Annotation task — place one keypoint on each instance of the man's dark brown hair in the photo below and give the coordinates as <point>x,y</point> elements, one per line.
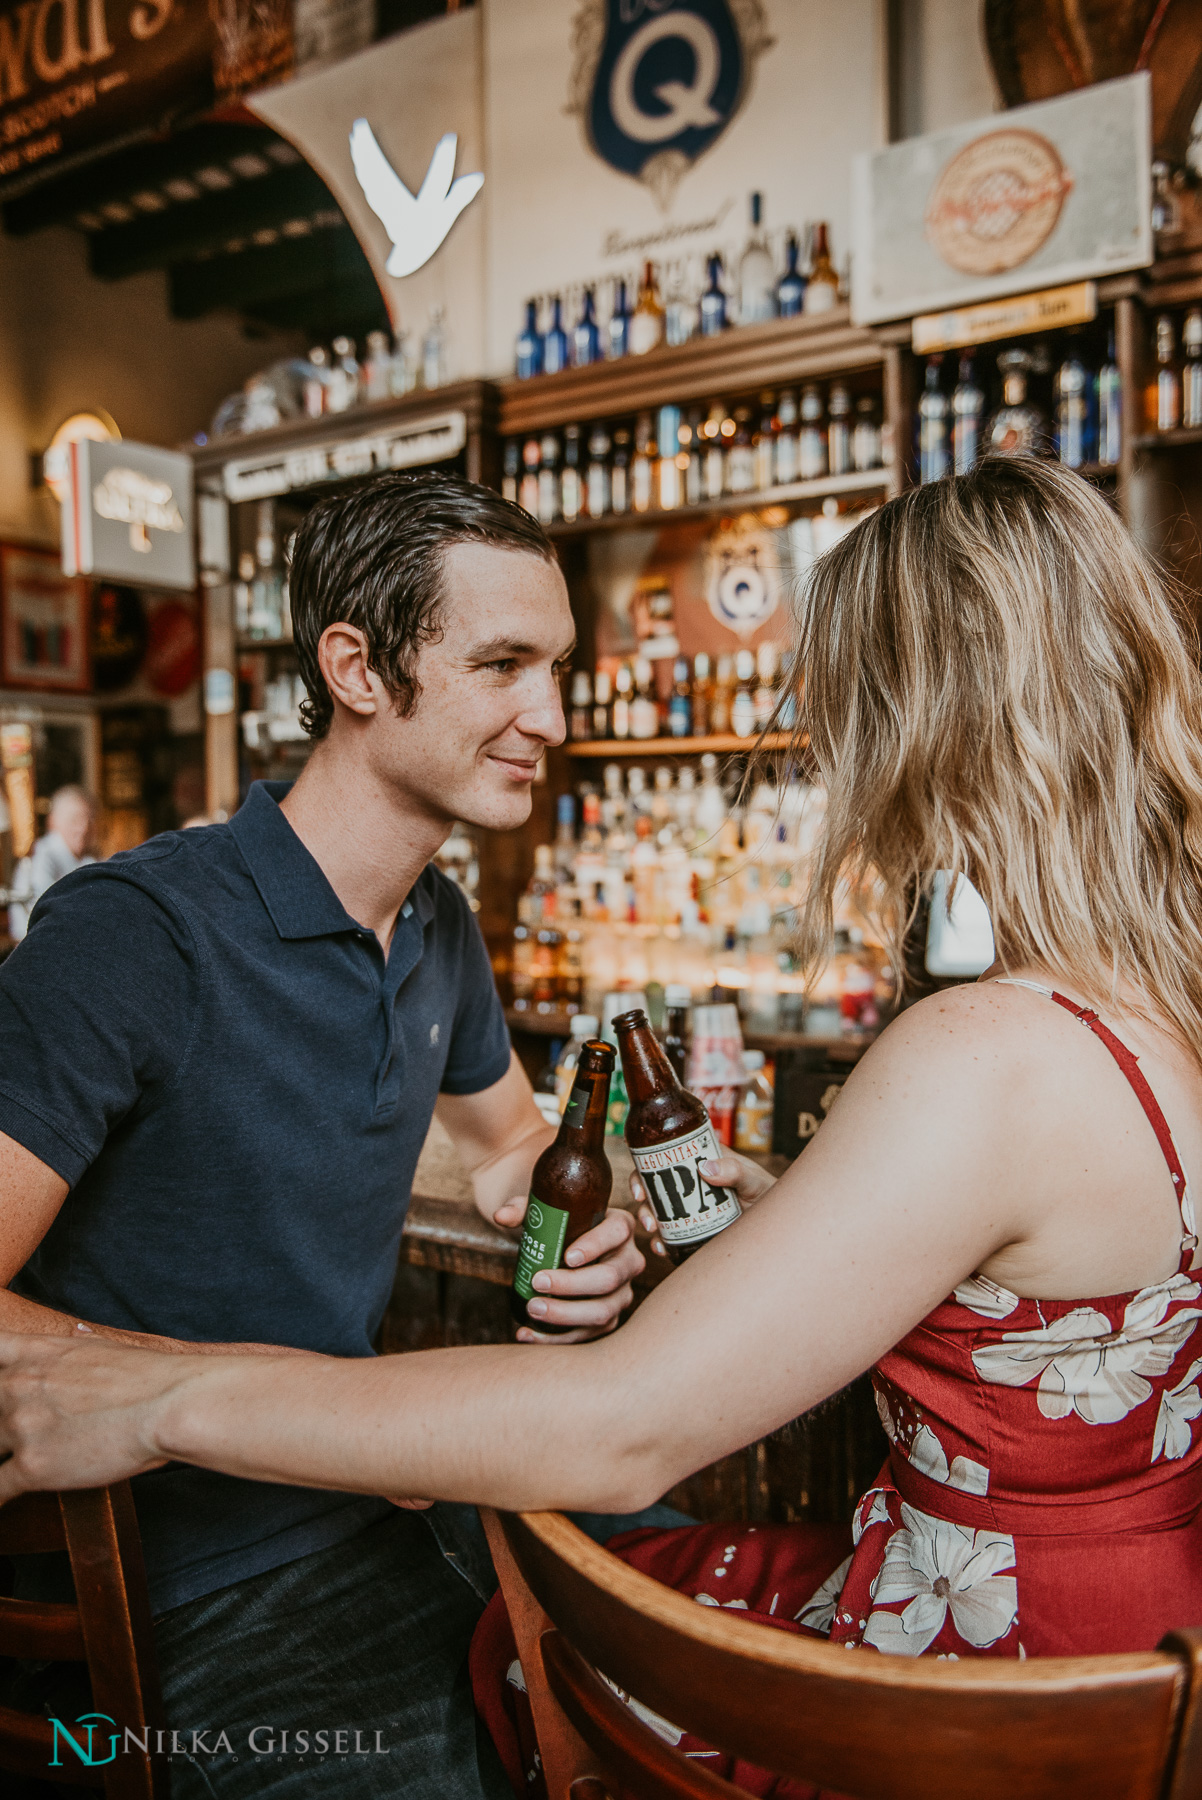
<point>373,558</point>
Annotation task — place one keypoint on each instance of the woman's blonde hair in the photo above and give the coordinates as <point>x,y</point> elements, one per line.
<point>995,681</point>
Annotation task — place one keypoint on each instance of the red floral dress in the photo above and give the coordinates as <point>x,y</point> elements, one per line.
<point>1042,1495</point>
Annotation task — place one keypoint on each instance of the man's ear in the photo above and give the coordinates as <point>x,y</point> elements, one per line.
<point>342,657</point>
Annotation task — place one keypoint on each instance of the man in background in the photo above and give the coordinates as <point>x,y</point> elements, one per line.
<point>62,848</point>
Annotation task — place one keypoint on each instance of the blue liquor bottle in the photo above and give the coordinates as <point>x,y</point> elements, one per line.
<point>619,322</point>
<point>713,301</point>
<point>555,341</point>
<point>791,288</point>
<point>586,339</point>
<point>530,345</point>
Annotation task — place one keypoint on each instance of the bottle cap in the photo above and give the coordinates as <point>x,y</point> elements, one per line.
<point>677,994</point>
<point>584,1025</point>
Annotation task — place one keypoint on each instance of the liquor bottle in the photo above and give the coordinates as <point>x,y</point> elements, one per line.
<point>564,848</point>
<point>691,442</point>
<point>1110,409</point>
<point>317,385</point>
<point>812,446</point>
<point>670,1137</point>
<point>1191,380</point>
<point>740,455</point>
<point>764,443</point>
<point>619,484</point>
<point>644,713</point>
<point>597,472</point>
<point>618,329</point>
<point>548,941</point>
<point>866,435</point>
<point>680,311</point>
<point>1071,410</point>
<point>532,457</point>
<point>377,369</point>
<point>791,288</point>
<point>345,377</point>
<point>720,705</point>
<point>668,469</point>
<point>580,723</point>
<point>1167,411</point>
<point>571,484</point>
<point>434,350</point>
<point>267,604</point>
<point>569,980</point>
<point>642,470</point>
<point>786,449</point>
<point>521,959</point>
<point>742,706</point>
<point>1017,427</point>
<point>757,277</point>
<point>510,466</point>
<point>703,688</point>
<point>713,300</point>
<point>932,426</point>
<point>402,374</point>
<point>602,698</point>
<point>571,1183</point>
<point>647,320</point>
<point>677,1001</point>
<point>838,431</point>
<point>968,406</point>
<point>680,706</point>
<point>586,339</point>
<point>715,454</point>
<point>822,288</point>
<point>528,355</point>
<point>767,668</point>
<point>548,479</point>
<point>555,341</point>
<point>623,688</point>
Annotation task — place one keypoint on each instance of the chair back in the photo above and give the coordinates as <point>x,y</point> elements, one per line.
<point>108,1628</point>
<point>878,1727</point>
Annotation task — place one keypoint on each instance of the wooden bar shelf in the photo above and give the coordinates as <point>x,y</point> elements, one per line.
<point>824,487</point>
<point>1180,439</point>
<point>723,744</point>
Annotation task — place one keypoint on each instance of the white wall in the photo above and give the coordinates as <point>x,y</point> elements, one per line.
<point>946,77</point>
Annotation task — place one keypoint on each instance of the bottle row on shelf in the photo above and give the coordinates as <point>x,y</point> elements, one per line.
<point>671,696</point>
<point>261,609</point>
<point>668,882</point>
<point>1173,398</point>
<point>683,456</point>
<point>689,304</point>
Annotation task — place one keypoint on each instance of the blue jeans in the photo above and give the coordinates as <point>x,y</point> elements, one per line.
<point>344,1674</point>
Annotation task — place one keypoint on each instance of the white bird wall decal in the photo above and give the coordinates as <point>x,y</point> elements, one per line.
<point>415,226</point>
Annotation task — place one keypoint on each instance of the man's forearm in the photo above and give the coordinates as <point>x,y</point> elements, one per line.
<point>27,1316</point>
<point>506,1176</point>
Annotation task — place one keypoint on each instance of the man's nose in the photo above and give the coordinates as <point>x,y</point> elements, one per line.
<point>543,716</point>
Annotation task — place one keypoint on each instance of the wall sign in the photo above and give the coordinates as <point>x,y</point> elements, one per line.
<point>432,439</point>
<point>128,515</point>
<point>743,579</point>
<point>43,623</point>
<point>416,223</point>
<point>1049,310</point>
<point>1056,193</point>
<point>656,82</point>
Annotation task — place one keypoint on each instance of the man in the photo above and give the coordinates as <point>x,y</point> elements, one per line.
<point>62,848</point>
<point>219,1058</point>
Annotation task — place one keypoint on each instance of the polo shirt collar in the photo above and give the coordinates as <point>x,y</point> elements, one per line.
<point>294,890</point>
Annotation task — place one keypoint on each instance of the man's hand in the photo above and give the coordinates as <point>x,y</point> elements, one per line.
<point>749,1181</point>
<point>590,1294</point>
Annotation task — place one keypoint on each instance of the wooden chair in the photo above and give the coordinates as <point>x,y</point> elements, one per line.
<point>108,1628</point>
<point>878,1727</point>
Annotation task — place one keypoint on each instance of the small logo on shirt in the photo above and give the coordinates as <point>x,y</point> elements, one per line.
<point>433,1034</point>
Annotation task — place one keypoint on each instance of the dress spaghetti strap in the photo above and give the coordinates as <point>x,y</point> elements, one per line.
<point>1128,1062</point>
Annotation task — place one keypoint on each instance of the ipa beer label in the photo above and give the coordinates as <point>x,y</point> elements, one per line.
<point>688,1207</point>
<point>541,1246</point>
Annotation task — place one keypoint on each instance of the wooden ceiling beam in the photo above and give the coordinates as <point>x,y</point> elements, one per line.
<point>294,266</point>
<point>202,227</point>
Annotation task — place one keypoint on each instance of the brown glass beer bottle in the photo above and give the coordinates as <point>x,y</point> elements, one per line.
<point>670,1136</point>
<point>571,1183</point>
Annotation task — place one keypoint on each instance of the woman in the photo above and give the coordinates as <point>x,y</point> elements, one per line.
<point>995,684</point>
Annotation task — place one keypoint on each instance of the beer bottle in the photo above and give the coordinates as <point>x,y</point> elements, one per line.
<point>670,1136</point>
<point>571,1183</point>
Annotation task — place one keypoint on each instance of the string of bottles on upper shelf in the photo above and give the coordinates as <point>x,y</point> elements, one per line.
<point>1079,421</point>
<point>695,305</point>
<point>681,456</point>
<point>737,694</point>
<point>1173,397</point>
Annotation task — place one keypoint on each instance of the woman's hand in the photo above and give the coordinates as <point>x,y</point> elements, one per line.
<point>749,1181</point>
<point>590,1294</point>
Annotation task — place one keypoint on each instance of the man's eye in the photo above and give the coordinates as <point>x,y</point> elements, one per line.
<point>504,665</point>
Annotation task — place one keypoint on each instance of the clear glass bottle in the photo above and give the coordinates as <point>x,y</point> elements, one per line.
<point>586,338</point>
<point>1168,380</point>
<point>617,332</point>
<point>933,431</point>
<point>742,706</point>
<point>812,447</point>
<point>597,473</point>
<point>866,435</point>
<point>968,407</point>
<point>767,670</point>
<point>571,482</point>
<point>548,479</point>
<point>838,431</point>
<point>511,463</point>
<point>1017,428</point>
<point>528,351</point>
<point>644,713</point>
<point>680,308</point>
<point>764,443</point>
<point>402,376</point>
<point>669,484</point>
<point>1110,409</point>
<point>602,702</point>
<point>556,350</point>
<point>791,288</point>
<point>623,689</point>
<point>377,369</point>
<point>757,277</point>
<point>822,288</point>
<point>786,449</point>
<point>713,300</point>
<point>345,377</point>
<point>1191,379</point>
<point>434,350</point>
<point>715,454</point>
<point>317,385</point>
<point>647,320</point>
<point>642,470</point>
<point>740,455</point>
<point>619,478</point>
<point>691,443</point>
<point>532,457</point>
<point>580,716</point>
<point>1072,407</point>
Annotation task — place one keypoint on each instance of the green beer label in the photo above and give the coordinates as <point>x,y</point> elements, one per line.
<point>542,1244</point>
<point>577,1106</point>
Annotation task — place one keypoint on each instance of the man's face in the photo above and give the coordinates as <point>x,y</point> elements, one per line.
<point>490,699</point>
<point>71,817</point>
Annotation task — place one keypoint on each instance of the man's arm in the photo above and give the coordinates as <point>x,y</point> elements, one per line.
<point>500,1135</point>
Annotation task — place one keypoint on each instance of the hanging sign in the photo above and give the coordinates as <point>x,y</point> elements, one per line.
<point>128,515</point>
<point>743,577</point>
<point>431,439</point>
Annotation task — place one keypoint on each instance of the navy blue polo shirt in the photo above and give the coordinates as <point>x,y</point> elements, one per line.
<point>236,1087</point>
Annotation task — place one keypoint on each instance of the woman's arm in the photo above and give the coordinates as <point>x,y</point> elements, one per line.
<point>914,1180</point>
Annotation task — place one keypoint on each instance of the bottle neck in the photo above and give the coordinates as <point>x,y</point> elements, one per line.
<point>645,1064</point>
<point>583,1123</point>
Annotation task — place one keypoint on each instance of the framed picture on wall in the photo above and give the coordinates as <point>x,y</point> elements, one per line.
<point>43,623</point>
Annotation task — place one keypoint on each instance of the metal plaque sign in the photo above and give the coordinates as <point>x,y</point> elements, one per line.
<point>128,515</point>
<point>433,438</point>
<point>656,82</point>
<point>1049,310</point>
<point>1043,196</point>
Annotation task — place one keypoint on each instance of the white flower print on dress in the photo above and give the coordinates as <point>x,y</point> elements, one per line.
<point>980,1295</point>
<point>819,1610</point>
<point>1178,1405</point>
<point>877,1514</point>
<point>1087,1368</point>
<point>936,1568</point>
<point>927,1455</point>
